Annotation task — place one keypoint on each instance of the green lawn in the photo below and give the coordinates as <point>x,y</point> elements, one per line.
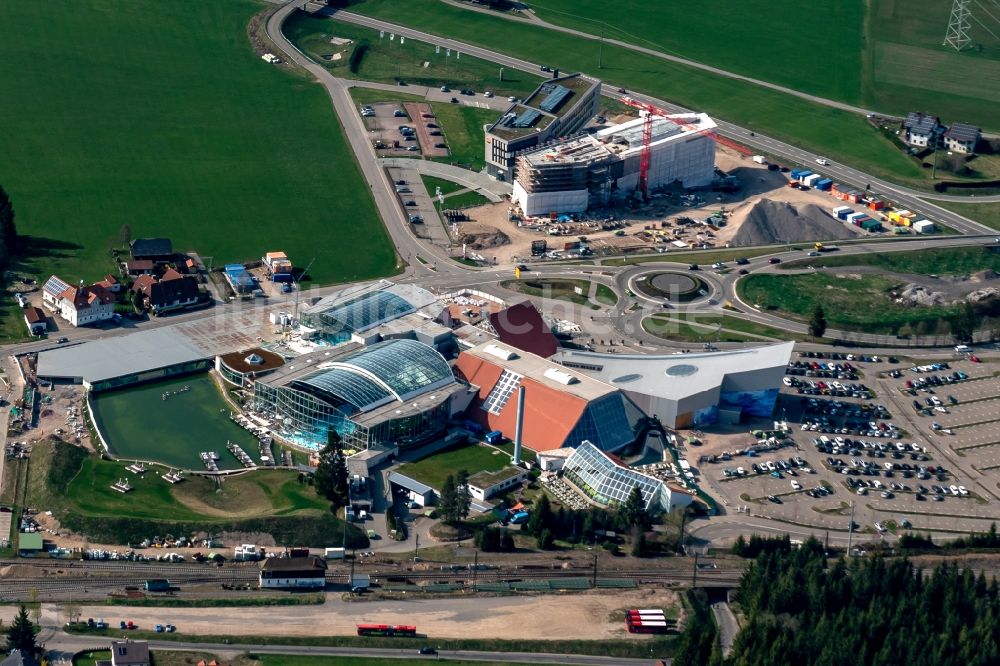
<point>160,116</point>
<point>471,457</point>
<point>837,134</point>
<point>757,38</point>
<point>77,488</point>
<point>556,289</point>
<point>292,660</point>
<point>943,261</point>
<point>388,61</point>
<point>679,327</point>
<point>373,96</point>
<point>862,303</point>
<point>463,200</point>
<point>447,186</point>
<point>463,132</point>
<point>988,213</point>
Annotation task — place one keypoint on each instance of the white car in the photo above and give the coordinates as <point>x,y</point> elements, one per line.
<point>862,490</point>
<point>954,490</point>
<point>796,485</point>
<point>962,491</point>
<point>821,161</point>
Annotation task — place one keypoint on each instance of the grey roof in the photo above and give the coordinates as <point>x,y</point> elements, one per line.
<point>129,652</point>
<point>129,354</point>
<point>963,132</point>
<point>151,247</point>
<point>410,484</point>
<point>674,376</point>
<point>361,307</point>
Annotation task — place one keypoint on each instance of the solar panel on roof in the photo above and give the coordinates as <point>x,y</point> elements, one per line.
<point>527,118</point>
<point>554,98</point>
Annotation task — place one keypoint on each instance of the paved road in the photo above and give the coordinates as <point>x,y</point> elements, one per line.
<point>492,189</point>
<point>914,200</point>
<point>728,627</point>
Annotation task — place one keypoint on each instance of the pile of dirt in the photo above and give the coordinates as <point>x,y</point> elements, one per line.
<point>770,222</point>
<point>918,294</point>
<point>983,276</point>
<point>482,238</point>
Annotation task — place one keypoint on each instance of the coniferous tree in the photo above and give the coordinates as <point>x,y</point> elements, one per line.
<point>21,635</point>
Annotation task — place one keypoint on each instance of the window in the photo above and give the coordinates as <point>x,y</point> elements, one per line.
<point>501,392</point>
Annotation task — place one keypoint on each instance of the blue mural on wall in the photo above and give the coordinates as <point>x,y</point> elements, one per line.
<point>705,416</point>
<point>759,404</point>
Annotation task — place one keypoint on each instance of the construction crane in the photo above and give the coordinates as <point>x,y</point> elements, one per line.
<point>680,119</point>
<point>298,287</point>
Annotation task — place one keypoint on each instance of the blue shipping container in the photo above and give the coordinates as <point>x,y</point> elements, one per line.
<point>824,184</point>
<point>493,437</point>
<point>804,174</point>
<point>797,172</point>
<point>844,213</point>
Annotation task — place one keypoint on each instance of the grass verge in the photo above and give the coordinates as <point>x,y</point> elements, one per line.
<point>555,289</point>
<point>469,457</point>
<point>935,261</point>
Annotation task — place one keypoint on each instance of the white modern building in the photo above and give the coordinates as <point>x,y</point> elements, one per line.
<point>592,170</point>
<point>485,485</point>
<point>689,390</point>
<point>608,482</point>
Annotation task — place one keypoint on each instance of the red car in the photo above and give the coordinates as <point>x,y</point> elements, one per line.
<point>975,359</point>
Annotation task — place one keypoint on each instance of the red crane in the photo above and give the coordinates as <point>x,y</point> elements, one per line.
<point>680,119</point>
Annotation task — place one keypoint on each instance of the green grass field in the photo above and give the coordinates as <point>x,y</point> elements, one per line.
<point>76,487</point>
<point>463,200</point>
<point>388,61</point>
<point>942,261</point>
<point>862,303</point>
<point>561,290</point>
<point>706,329</point>
<point>988,213</point>
<point>471,457</point>
<point>160,116</point>
<point>885,54</point>
<point>447,187</point>
<point>757,43</point>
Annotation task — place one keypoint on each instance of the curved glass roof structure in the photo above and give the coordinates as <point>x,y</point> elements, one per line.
<point>363,312</point>
<point>370,377</point>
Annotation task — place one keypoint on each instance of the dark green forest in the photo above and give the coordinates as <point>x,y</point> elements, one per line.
<point>801,609</point>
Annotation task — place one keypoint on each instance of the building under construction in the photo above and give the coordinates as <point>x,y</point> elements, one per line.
<point>592,170</point>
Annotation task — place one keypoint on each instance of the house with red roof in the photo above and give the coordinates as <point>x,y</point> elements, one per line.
<point>79,304</point>
<point>173,291</point>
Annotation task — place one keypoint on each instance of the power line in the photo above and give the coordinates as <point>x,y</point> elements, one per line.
<point>957,34</point>
<point>984,26</point>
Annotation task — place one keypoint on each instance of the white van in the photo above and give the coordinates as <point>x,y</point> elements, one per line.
<point>962,349</point>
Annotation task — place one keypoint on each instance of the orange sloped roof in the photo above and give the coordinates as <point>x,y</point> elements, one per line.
<point>549,414</point>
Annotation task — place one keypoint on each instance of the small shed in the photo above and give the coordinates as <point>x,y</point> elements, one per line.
<point>36,320</point>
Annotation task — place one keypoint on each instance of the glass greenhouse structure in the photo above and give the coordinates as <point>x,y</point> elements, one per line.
<point>608,482</point>
<point>395,391</point>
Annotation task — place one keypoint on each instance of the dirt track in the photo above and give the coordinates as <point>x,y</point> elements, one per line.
<point>578,616</point>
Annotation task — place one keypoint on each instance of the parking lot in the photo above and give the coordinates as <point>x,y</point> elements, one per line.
<point>419,207</point>
<point>384,122</point>
<point>855,437</point>
<point>430,136</point>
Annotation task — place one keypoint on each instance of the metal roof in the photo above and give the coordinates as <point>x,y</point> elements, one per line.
<point>100,360</point>
<point>675,376</point>
<point>409,483</point>
<point>557,94</point>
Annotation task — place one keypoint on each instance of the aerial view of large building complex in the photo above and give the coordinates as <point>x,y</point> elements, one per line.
<point>348,332</point>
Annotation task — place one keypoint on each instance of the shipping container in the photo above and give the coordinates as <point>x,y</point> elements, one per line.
<point>842,215</point>
<point>824,184</point>
<point>812,179</point>
<point>795,173</point>
<point>871,225</point>
<point>836,209</point>
<point>334,553</point>
<point>803,175</point>
<point>876,204</point>
<point>924,227</point>
<point>493,437</point>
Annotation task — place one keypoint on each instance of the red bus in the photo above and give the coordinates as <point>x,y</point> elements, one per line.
<point>386,630</point>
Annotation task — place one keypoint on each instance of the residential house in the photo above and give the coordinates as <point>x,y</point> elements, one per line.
<point>922,130</point>
<point>171,292</point>
<point>158,250</point>
<point>962,138</point>
<point>137,267</point>
<point>36,320</point>
<point>111,283</point>
<point>129,653</point>
<point>79,305</point>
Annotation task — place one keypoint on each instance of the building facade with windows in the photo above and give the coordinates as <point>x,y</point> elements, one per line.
<point>81,304</point>
<point>557,108</point>
<point>396,392</point>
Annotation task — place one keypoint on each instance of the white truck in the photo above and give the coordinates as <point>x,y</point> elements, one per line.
<point>334,553</point>
<point>760,159</point>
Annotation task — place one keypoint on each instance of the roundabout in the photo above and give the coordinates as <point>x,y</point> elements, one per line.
<point>672,286</point>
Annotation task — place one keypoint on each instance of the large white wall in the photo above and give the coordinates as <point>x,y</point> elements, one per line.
<point>542,203</point>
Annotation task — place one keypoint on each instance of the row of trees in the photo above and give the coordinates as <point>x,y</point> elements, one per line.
<point>9,242</point>
<point>331,478</point>
<point>800,609</point>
